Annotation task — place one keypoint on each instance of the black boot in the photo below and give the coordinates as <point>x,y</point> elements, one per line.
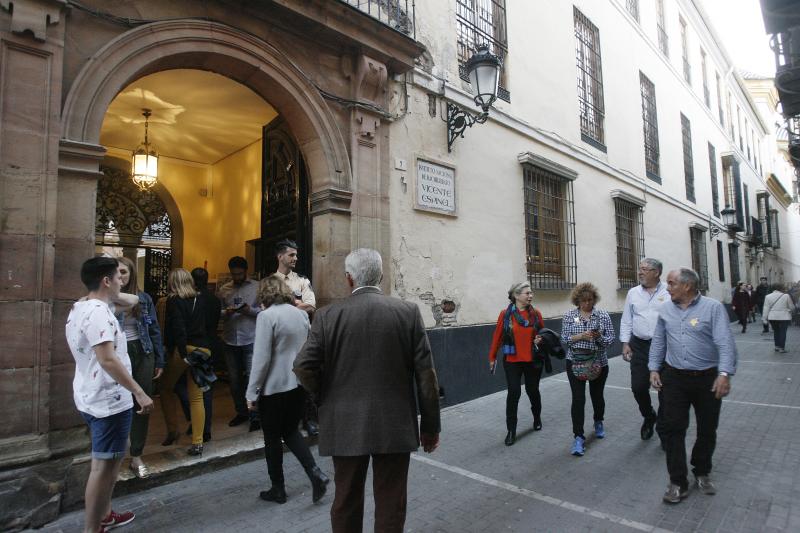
<point>319,483</point>
<point>276,494</point>
<point>511,436</point>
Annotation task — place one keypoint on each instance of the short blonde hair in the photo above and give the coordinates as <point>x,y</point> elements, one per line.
<point>582,289</point>
<point>273,290</point>
<point>180,284</point>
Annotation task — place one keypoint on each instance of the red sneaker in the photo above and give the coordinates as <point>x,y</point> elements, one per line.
<point>114,520</point>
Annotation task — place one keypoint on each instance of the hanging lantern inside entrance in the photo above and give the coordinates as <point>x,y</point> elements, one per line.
<point>144,164</point>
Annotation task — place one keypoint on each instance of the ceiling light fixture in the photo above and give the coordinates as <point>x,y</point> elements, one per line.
<point>144,164</point>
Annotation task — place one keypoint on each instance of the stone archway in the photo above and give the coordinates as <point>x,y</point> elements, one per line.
<point>243,58</point>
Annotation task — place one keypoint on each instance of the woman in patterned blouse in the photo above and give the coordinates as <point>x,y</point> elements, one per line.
<point>587,330</point>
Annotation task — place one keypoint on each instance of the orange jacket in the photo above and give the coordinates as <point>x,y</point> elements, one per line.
<point>523,337</point>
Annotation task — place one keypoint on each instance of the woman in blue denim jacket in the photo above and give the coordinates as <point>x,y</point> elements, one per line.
<point>146,351</point>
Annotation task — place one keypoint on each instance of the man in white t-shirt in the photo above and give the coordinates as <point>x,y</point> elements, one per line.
<point>102,387</point>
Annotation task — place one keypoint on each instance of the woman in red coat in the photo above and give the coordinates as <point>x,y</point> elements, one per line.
<point>517,333</point>
<point>741,304</point>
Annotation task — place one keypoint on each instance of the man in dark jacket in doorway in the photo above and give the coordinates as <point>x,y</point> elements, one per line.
<point>361,361</point>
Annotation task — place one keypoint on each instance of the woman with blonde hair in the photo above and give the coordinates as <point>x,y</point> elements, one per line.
<point>588,331</point>
<point>273,390</point>
<point>187,344</point>
<point>146,351</point>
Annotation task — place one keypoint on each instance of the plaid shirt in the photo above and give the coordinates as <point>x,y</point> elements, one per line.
<point>573,324</point>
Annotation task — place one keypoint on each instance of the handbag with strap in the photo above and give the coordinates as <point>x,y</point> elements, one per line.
<point>585,366</point>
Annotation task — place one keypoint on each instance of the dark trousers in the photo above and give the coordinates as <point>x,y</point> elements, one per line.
<point>579,398</point>
<point>514,374</point>
<point>208,401</point>
<point>280,414</point>
<point>682,391</point>
<point>389,482</point>
<point>239,359</point>
<point>142,369</point>
<point>779,329</point>
<point>640,379</point>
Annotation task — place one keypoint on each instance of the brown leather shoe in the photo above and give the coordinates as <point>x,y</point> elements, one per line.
<point>705,485</point>
<point>675,493</point>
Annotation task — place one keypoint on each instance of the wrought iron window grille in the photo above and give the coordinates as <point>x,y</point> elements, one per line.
<point>590,80</point>
<point>720,261</point>
<point>688,163</point>
<point>549,229</point>
<point>629,219</point>
<point>650,126</point>
<point>712,167</point>
<point>399,15</point>
<point>482,22</point>
<point>699,256</point>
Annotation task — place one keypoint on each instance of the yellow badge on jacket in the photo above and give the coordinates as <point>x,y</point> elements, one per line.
<point>694,322</point>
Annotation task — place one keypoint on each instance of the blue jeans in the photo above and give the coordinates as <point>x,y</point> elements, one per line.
<point>239,360</point>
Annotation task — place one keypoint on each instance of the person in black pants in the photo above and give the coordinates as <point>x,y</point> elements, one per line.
<point>273,389</point>
<point>692,358</point>
<point>635,331</point>
<point>517,331</point>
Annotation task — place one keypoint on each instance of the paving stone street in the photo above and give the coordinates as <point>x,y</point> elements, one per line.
<point>474,483</point>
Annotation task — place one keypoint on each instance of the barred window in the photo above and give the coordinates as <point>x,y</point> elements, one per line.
<point>630,241</point>
<point>590,80</point>
<point>661,26</point>
<point>739,127</point>
<point>719,101</point>
<point>746,195</point>
<point>482,22</point>
<point>730,117</point>
<point>720,261</point>
<point>775,235</point>
<point>732,189</point>
<point>687,68</point>
<point>748,133</point>
<point>549,229</point>
<point>633,8</point>
<point>688,162</point>
<point>712,166</point>
<point>703,65</point>
<point>650,125</point>
<point>699,256</point>
<point>733,257</point>
<point>764,217</point>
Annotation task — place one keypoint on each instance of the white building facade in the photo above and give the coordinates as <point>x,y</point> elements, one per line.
<point>622,131</point>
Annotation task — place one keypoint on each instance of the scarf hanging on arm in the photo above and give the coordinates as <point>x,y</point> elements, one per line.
<point>508,336</point>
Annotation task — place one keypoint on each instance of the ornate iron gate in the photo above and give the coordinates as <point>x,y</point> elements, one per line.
<point>128,217</point>
<point>284,200</point>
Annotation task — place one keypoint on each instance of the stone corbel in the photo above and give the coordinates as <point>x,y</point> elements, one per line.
<point>79,158</point>
<point>368,77</point>
<point>33,16</point>
<point>330,200</point>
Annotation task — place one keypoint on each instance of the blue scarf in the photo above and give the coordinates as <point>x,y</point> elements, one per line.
<point>508,336</point>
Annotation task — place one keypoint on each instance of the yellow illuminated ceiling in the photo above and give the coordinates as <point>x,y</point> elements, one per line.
<point>197,116</point>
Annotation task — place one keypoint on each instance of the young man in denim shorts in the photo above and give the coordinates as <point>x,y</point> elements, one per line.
<point>102,387</point>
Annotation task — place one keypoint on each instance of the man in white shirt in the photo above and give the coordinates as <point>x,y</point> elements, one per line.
<point>636,329</point>
<point>102,387</point>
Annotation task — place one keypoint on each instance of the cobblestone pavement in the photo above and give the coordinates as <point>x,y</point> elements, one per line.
<point>474,483</point>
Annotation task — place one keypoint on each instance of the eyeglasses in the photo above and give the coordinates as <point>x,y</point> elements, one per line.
<point>641,269</point>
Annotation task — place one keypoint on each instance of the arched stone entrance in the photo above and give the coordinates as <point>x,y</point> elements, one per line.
<point>248,60</point>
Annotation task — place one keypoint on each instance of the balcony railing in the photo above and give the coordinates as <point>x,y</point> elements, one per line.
<point>786,46</point>
<point>396,14</point>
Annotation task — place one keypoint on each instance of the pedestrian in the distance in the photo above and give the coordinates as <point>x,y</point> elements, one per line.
<point>273,389</point>
<point>636,331</point>
<point>740,304</point>
<point>146,352</point>
<point>588,331</point>
<point>778,309</point>
<point>369,365</point>
<point>102,387</point>
<point>761,292</point>
<point>692,359</point>
<point>517,337</point>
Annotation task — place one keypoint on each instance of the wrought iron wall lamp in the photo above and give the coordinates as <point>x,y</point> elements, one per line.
<point>484,76</point>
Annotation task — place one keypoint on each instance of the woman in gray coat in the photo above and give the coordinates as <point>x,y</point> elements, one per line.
<point>778,309</point>
<point>281,330</point>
